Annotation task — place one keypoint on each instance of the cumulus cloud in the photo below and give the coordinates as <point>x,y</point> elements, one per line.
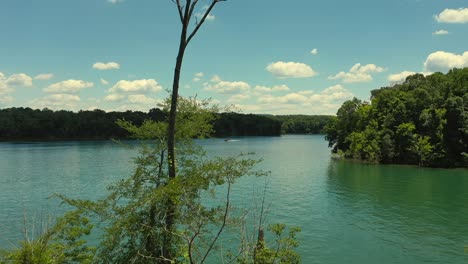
<point>106,66</point>
<point>56,102</point>
<point>444,61</point>
<point>141,99</point>
<point>136,86</point>
<point>10,83</point>
<point>19,80</point>
<point>5,99</point>
<point>104,82</point>
<point>329,94</point>
<point>282,69</point>
<point>198,76</point>
<point>358,73</point>
<point>276,88</point>
<point>44,76</point>
<point>238,98</point>
<point>225,87</point>
<point>453,16</point>
<point>326,101</point>
<point>401,77</point>
<point>4,89</point>
<point>114,97</point>
<point>133,92</point>
<point>314,51</point>
<point>440,32</point>
<point>68,86</point>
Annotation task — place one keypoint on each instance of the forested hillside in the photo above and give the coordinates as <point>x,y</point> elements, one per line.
<point>423,121</point>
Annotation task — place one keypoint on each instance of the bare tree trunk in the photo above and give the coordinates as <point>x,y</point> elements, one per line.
<point>167,254</point>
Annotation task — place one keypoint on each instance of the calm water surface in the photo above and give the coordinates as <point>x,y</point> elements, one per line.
<point>348,212</point>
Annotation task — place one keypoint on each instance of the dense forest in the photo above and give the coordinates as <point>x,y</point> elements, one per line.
<point>303,124</point>
<point>423,121</point>
<point>45,124</point>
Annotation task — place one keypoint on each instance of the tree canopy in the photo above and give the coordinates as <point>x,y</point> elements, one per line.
<point>422,121</point>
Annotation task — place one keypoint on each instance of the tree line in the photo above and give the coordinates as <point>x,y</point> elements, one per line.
<point>422,121</point>
<point>26,123</point>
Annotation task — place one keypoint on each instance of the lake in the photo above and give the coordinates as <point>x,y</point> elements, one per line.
<point>349,212</point>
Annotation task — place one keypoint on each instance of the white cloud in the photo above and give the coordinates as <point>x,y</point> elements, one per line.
<point>198,76</point>
<point>440,32</point>
<point>5,99</point>
<point>104,82</point>
<point>401,77</point>
<point>106,66</point>
<point>276,88</point>
<point>56,102</point>
<point>68,86</point>
<point>44,76</point>
<point>136,86</point>
<point>329,94</point>
<point>358,73</point>
<point>19,80</point>
<point>199,15</point>
<point>288,98</point>
<point>10,83</point>
<point>215,78</point>
<point>224,87</point>
<point>238,98</point>
<point>444,61</point>
<point>114,97</point>
<point>453,16</point>
<point>282,69</point>
<point>4,89</point>
<point>133,91</point>
<point>141,99</point>
<point>326,101</point>
<point>314,51</point>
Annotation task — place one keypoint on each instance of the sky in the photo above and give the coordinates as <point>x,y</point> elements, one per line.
<point>259,56</point>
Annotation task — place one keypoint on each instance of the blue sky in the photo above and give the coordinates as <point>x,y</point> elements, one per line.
<point>276,57</point>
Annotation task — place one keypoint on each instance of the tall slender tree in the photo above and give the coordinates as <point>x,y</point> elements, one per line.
<point>186,10</point>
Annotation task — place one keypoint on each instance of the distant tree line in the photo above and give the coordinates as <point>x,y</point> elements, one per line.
<point>303,124</point>
<point>45,124</point>
<point>423,121</point>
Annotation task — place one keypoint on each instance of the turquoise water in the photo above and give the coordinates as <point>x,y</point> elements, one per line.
<point>348,212</point>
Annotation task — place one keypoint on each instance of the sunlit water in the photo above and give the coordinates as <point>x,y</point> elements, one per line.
<point>348,212</point>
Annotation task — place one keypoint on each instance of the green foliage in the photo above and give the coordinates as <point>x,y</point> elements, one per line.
<point>423,121</point>
<point>133,215</point>
<point>281,251</point>
<point>235,124</point>
<point>62,243</point>
<point>303,124</point>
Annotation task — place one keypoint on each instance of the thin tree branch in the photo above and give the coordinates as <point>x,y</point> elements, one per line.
<point>186,14</point>
<point>179,9</point>
<point>207,12</point>
<point>193,7</point>
<point>225,217</point>
<point>191,245</point>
